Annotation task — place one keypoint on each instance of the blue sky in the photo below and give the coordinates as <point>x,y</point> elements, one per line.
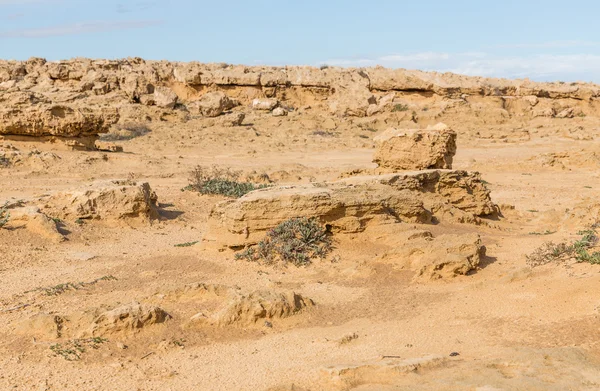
<point>539,39</point>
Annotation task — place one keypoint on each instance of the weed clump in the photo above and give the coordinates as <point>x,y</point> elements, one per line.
<point>579,250</point>
<point>222,181</point>
<point>296,241</point>
<point>72,350</point>
<point>70,286</point>
<point>399,107</point>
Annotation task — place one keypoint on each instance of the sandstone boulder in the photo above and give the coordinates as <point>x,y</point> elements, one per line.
<point>165,97</point>
<point>264,104</point>
<point>279,112</point>
<point>64,120</point>
<point>127,319</point>
<point>352,204</point>
<point>238,308</point>
<point>106,200</point>
<point>213,104</point>
<point>430,148</point>
<point>233,119</point>
<point>32,219</point>
<point>433,258</point>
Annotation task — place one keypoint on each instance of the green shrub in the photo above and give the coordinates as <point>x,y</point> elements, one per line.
<point>399,107</point>
<point>579,250</point>
<point>296,241</point>
<point>221,181</point>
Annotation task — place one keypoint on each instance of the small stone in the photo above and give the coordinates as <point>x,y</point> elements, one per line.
<point>264,104</point>
<point>280,112</point>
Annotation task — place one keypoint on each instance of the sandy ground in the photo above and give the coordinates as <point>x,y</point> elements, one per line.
<point>513,327</point>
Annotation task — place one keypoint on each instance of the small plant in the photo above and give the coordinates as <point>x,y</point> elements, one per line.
<point>581,247</point>
<point>220,181</point>
<point>324,133</point>
<point>187,244</point>
<point>296,241</point>
<point>548,252</point>
<point>68,286</point>
<point>399,107</point>
<point>72,350</point>
<point>323,67</point>
<point>546,232</point>
<point>579,250</point>
<point>4,215</point>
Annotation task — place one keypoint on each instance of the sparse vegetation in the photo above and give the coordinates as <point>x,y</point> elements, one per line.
<point>4,162</point>
<point>4,215</point>
<point>187,244</point>
<point>579,250</point>
<point>72,350</point>
<point>295,241</point>
<point>127,131</point>
<point>324,133</point>
<point>323,67</point>
<point>546,232</point>
<point>222,181</point>
<point>399,107</point>
<point>62,288</point>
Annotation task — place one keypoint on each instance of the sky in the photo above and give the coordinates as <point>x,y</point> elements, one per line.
<point>536,39</point>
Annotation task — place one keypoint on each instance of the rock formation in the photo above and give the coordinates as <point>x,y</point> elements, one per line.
<point>127,319</point>
<point>105,200</point>
<point>236,307</point>
<point>433,147</point>
<point>352,204</point>
<point>81,98</point>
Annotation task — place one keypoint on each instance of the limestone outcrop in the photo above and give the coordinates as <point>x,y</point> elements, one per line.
<point>128,318</point>
<point>353,203</point>
<point>432,257</point>
<point>226,305</point>
<point>83,97</point>
<point>416,149</point>
<point>106,200</point>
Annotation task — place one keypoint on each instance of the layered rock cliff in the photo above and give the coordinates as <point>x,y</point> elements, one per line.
<point>83,98</point>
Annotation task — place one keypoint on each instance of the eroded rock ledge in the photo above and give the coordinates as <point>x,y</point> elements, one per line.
<point>83,98</point>
<point>352,204</point>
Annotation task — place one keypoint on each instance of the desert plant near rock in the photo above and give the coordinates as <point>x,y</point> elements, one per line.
<point>296,241</point>
<point>579,250</point>
<point>72,350</point>
<point>220,181</point>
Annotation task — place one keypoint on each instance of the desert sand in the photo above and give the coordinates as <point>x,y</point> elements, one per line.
<point>435,190</point>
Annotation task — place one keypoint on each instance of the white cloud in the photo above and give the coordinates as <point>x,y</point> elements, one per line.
<point>78,28</point>
<point>537,67</point>
<point>551,45</point>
